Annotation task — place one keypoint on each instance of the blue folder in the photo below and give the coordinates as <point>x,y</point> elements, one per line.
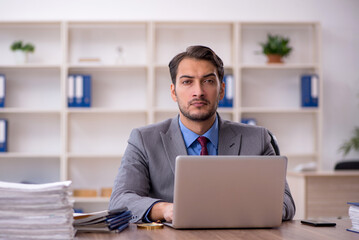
<point>79,90</point>
<point>309,90</point>
<point>249,121</point>
<point>2,90</point>
<point>227,100</point>
<point>3,135</point>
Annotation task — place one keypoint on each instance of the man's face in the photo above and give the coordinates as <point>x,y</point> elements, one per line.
<point>198,89</point>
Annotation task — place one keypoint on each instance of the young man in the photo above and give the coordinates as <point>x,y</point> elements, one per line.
<point>145,181</point>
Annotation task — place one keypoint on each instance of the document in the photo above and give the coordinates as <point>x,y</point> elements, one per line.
<point>36,211</point>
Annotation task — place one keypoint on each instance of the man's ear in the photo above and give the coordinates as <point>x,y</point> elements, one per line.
<point>173,92</point>
<point>222,90</point>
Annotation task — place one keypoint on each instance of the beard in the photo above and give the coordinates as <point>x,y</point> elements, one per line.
<point>198,117</point>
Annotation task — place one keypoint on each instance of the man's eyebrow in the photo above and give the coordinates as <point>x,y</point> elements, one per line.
<point>207,75</point>
<point>186,76</point>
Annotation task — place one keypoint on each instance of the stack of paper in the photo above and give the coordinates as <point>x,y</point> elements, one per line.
<point>103,221</point>
<point>354,216</point>
<point>35,211</point>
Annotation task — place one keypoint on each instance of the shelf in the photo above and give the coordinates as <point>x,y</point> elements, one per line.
<point>294,155</point>
<point>278,110</point>
<point>104,110</point>
<point>31,66</point>
<point>173,38</point>
<point>279,66</point>
<point>102,156</point>
<point>103,41</point>
<point>29,111</point>
<point>131,89</point>
<point>28,155</point>
<point>100,66</point>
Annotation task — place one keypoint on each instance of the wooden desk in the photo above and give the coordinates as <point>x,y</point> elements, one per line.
<point>323,194</point>
<point>288,230</point>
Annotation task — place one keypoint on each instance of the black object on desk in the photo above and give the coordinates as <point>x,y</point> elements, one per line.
<point>318,223</point>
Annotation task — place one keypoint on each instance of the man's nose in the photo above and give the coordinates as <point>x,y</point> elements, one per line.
<point>198,90</point>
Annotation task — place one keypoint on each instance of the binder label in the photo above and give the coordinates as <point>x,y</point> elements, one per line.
<point>2,86</point>
<point>2,131</point>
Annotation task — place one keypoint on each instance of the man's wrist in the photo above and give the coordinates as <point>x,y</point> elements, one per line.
<point>146,217</point>
<point>157,213</point>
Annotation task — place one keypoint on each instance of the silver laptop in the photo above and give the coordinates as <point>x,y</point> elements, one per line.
<point>229,191</point>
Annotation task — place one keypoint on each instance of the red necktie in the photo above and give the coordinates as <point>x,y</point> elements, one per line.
<point>203,142</point>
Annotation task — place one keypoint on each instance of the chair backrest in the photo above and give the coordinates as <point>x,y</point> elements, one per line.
<point>347,165</point>
<point>274,143</point>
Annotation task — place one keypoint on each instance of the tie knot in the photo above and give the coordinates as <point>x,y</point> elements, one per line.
<point>203,141</point>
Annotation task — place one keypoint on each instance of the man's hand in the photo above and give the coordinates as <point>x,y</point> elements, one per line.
<point>162,211</point>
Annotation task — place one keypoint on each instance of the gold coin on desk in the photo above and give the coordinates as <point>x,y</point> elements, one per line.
<point>150,226</point>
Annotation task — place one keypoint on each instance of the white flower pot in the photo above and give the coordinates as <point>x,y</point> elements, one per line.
<point>20,57</point>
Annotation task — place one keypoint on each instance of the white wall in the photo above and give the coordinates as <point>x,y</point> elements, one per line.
<point>340,39</point>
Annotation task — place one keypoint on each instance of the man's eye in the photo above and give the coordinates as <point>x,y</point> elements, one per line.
<point>211,81</point>
<point>186,82</point>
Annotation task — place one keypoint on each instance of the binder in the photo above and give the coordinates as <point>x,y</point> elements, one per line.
<point>2,90</point>
<point>86,98</point>
<point>71,91</point>
<point>249,121</point>
<point>309,90</point>
<point>79,91</point>
<point>3,135</point>
<point>227,100</point>
<point>103,221</point>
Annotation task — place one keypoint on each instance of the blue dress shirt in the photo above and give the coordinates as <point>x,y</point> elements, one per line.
<point>193,146</point>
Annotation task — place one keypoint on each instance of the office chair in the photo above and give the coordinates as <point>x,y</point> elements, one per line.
<point>347,165</point>
<point>274,143</point>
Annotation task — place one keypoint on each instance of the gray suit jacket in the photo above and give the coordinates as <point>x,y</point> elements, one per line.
<point>146,174</point>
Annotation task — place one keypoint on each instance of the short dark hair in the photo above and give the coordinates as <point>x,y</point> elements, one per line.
<point>200,53</point>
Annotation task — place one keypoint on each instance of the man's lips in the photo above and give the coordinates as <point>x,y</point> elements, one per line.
<point>198,103</point>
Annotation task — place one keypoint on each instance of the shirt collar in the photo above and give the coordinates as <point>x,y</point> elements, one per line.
<point>189,137</point>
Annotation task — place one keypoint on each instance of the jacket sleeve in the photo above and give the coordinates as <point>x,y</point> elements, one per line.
<point>132,183</point>
<point>288,202</point>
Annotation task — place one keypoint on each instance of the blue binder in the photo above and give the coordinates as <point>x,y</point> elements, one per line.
<point>249,121</point>
<point>86,98</point>
<point>309,90</point>
<point>79,91</point>
<point>2,90</point>
<point>71,91</point>
<point>227,100</point>
<point>3,135</point>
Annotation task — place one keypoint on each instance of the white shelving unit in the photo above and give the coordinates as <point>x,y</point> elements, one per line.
<point>50,142</point>
<point>270,93</point>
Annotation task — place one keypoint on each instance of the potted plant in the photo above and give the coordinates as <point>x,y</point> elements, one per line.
<point>22,50</point>
<point>352,143</point>
<point>275,48</point>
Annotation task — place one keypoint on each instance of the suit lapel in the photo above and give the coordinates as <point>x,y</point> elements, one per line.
<point>229,141</point>
<point>173,143</point>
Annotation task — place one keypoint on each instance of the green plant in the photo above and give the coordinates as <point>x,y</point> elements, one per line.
<point>27,48</point>
<point>352,143</point>
<point>276,44</point>
<point>16,46</point>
